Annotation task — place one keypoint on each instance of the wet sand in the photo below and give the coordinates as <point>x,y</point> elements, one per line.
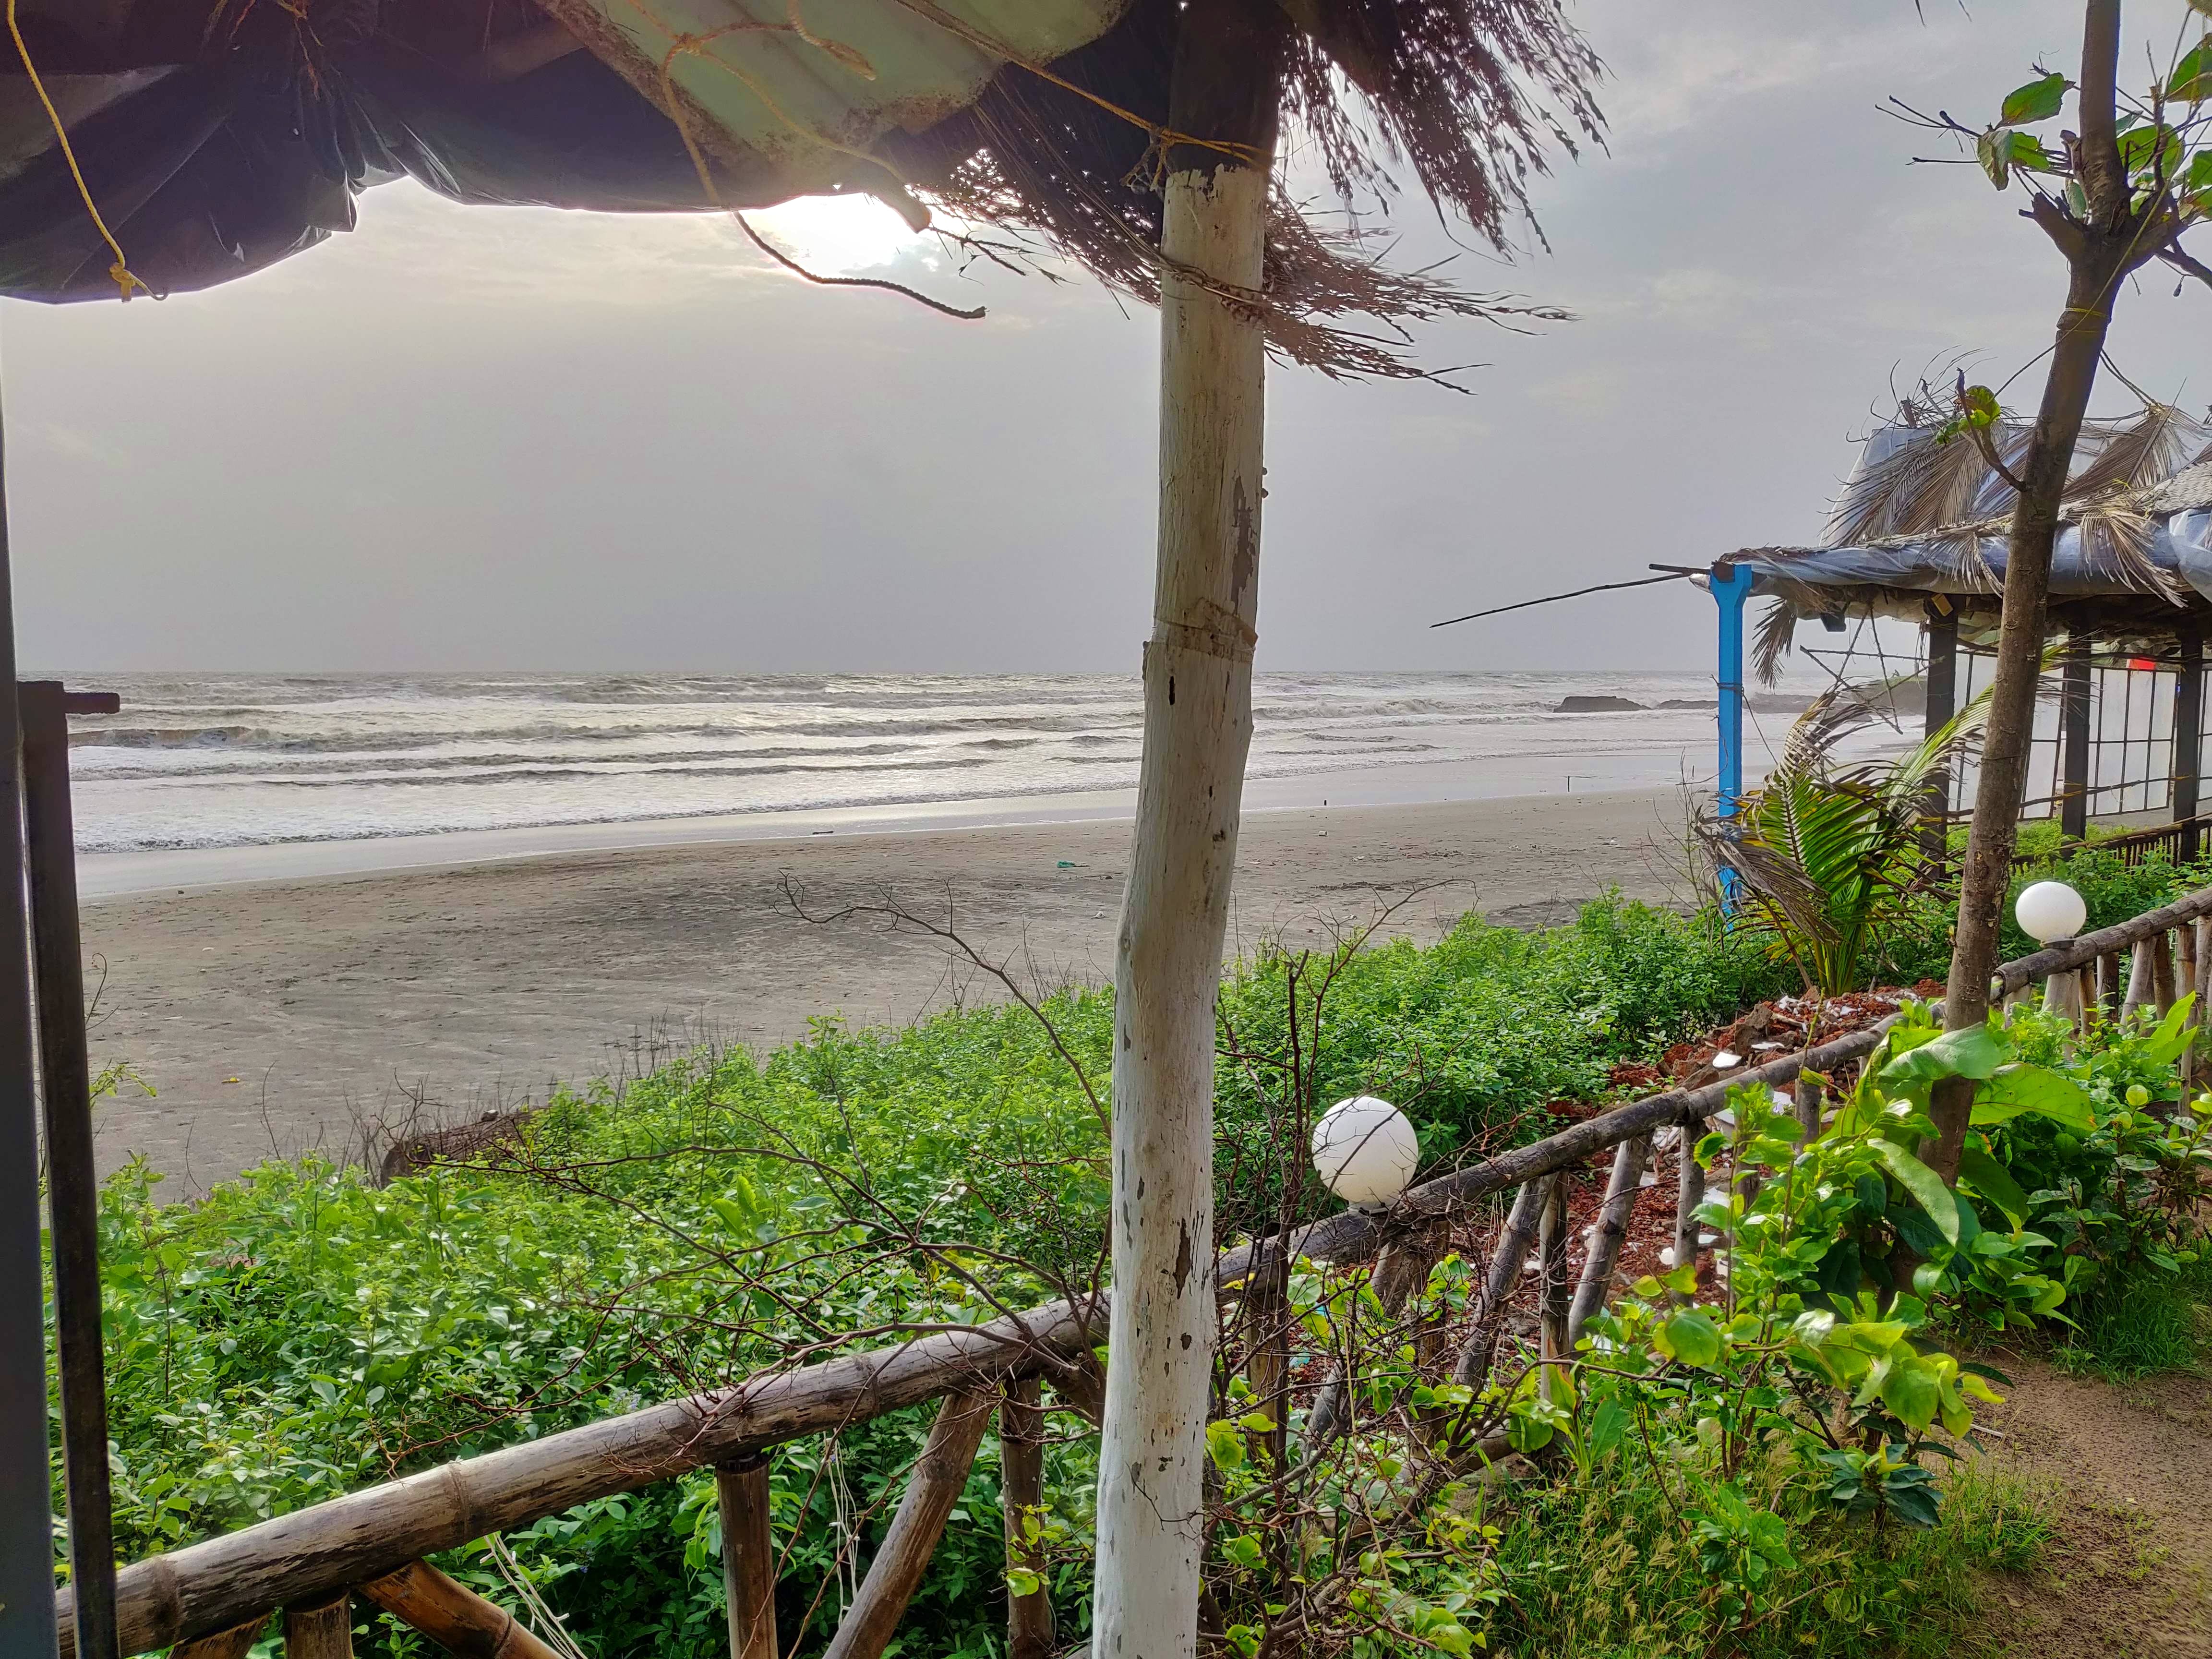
<point>274,1017</point>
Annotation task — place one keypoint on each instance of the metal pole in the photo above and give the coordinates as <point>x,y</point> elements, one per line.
<point>1730,585</point>
<point>1942,702</point>
<point>72,1183</point>
<point>27,1488</point>
<point>2073,725</point>
<point>2188,737</point>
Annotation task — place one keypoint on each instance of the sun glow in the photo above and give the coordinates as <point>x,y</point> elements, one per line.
<point>838,235</point>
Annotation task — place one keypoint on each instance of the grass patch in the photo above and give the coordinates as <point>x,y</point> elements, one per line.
<point>2144,1321</point>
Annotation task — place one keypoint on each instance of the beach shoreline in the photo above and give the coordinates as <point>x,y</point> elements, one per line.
<point>276,1013</point>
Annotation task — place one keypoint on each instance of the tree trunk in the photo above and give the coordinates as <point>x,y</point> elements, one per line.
<point>2099,254</point>
<point>1198,729</point>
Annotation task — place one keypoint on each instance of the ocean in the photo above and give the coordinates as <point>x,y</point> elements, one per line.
<point>241,760</point>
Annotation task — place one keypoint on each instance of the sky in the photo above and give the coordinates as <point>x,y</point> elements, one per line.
<point>484,439</point>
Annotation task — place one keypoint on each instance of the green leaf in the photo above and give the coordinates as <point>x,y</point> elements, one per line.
<point>1912,1391</point>
<point>2017,1089</point>
<point>1224,1445</point>
<point>2039,100</point>
<point>2192,75</point>
<point>1994,152</point>
<point>1022,1582</point>
<point>1975,1052</point>
<point>1926,1186</point>
<point>1994,1182</point>
<point>1689,1337</point>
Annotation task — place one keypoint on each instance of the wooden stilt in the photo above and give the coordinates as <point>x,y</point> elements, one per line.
<point>452,1615</point>
<point>1689,1193</point>
<point>1508,1262</point>
<point>1608,1234</point>
<point>1021,1468</point>
<point>2108,984</point>
<point>1264,1319</point>
<point>749,1556</point>
<point>232,1644</point>
<point>939,1474</point>
<point>1552,1303</point>
<point>320,1630</point>
<point>2163,996</point>
<point>2143,989</point>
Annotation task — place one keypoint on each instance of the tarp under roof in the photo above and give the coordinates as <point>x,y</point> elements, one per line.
<point>219,135</point>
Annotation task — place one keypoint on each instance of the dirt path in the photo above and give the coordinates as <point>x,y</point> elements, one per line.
<point>2130,1575</point>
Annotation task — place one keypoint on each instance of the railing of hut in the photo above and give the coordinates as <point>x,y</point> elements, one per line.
<point>213,1599</point>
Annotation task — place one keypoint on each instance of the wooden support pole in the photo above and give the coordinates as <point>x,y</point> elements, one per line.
<point>2188,736</point>
<point>1263,1317</point>
<point>233,1643</point>
<point>939,1475</point>
<point>1223,88</point>
<point>1689,1193</point>
<point>2073,725</point>
<point>2162,993</point>
<point>72,1177</point>
<point>2184,964</point>
<point>1805,1100</point>
<point>452,1615</point>
<point>2143,989</point>
<point>1508,1262</point>
<point>1942,701</point>
<point>320,1630</point>
<point>2108,984</point>
<point>1554,1288</point>
<point>1608,1234</point>
<point>1021,1474</point>
<point>749,1556</point>
<point>2201,982</point>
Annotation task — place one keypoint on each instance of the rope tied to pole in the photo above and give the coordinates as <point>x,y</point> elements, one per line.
<point>124,279</point>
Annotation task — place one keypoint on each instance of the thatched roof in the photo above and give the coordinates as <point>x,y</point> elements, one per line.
<point>1919,518</point>
<point>217,136</point>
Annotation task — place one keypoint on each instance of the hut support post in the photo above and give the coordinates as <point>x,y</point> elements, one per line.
<point>27,1545</point>
<point>1198,731</point>
<point>1021,1484</point>
<point>748,1556</point>
<point>2188,739</point>
<point>72,1183</point>
<point>1730,585</point>
<point>320,1630</point>
<point>1942,702</point>
<point>2074,725</point>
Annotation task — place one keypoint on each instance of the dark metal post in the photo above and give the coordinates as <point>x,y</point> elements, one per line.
<point>2074,730</point>
<point>2188,736</point>
<point>27,1489</point>
<point>72,1183</point>
<point>1942,702</point>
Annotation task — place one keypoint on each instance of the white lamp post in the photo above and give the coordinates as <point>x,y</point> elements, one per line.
<point>2051,913</point>
<point>1366,1150</point>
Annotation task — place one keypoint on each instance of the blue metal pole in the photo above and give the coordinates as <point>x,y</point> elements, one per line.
<point>1730,585</point>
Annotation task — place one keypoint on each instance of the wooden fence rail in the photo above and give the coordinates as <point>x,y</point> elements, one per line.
<point>211,1600</point>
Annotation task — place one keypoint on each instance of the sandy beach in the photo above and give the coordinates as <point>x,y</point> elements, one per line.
<point>273,1017</point>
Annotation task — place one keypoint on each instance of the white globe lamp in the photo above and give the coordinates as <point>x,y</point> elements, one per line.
<point>2050,910</point>
<point>1366,1150</point>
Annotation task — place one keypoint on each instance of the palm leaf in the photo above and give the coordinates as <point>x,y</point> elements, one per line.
<point>2147,449</point>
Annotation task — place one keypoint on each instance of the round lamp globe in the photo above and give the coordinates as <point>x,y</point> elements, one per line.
<point>1366,1151</point>
<point>2049,911</point>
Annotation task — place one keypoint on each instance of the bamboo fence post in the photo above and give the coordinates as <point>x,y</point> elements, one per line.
<point>2161,972</point>
<point>454,1616</point>
<point>2140,989</point>
<point>1607,1233</point>
<point>1805,1096</point>
<point>1264,1310</point>
<point>1552,1255</point>
<point>1021,1470</point>
<point>2184,959</point>
<point>2085,994</point>
<point>2062,995</point>
<point>2108,983</point>
<point>1223,86</point>
<point>1689,1193</point>
<point>2200,982</point>
<point>232,1644</point>
<point>749,1556</point>
<point>320,1630</point>
<point>1508,1262</point>
<point>939,1474</point>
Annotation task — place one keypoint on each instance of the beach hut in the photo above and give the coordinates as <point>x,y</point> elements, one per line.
<point>166,145</point>
<point>1918,535</point>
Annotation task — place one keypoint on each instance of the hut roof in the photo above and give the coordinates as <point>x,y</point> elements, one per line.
<point>218,136</point>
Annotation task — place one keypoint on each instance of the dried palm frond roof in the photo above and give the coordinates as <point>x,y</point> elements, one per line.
<point>1919,517</point>
<point>219,135</point>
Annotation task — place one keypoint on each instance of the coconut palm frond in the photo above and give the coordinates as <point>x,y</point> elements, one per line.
<point>2145,450</point>
<point>1771,639</point>
<point>2116,538</point>
<point>1960,549</point>
<point>1918,488</point>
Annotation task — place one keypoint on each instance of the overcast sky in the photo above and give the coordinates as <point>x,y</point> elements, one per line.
<point>503,438</point>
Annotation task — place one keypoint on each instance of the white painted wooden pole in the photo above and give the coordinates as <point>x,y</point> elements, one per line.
<point>1198,729</point>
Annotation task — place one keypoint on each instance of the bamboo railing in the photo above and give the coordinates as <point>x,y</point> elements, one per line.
<point>212,1600</point>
